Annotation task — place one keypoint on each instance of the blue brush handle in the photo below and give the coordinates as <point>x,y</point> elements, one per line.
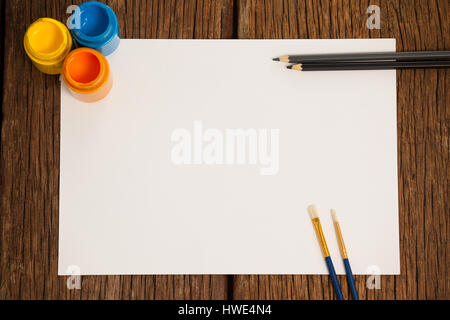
<point>350,279</point>
<point>334,279</point>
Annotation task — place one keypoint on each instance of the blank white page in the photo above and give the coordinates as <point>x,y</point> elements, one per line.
<point>129,205</point>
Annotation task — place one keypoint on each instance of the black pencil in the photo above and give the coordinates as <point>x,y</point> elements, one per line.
<point>374,65</point>
<point>367,56</point>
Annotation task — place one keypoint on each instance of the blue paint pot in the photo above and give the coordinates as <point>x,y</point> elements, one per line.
<point>99,28</point>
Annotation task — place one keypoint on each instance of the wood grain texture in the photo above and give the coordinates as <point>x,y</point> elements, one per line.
<point>29,161</point>
<point>2,49</point>
<point>29,167</point>
<point>423,146</point>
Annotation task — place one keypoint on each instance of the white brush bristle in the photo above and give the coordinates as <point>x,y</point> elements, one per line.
<point>313,212</point>
<point>334,215</point>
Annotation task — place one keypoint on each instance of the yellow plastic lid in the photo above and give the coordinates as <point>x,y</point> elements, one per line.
<point>47,41</point>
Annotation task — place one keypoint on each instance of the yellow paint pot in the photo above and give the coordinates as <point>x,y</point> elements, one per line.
<point>87,75</point>
<point>47,42</point>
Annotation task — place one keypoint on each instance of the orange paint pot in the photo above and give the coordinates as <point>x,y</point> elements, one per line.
<point>87,75</point>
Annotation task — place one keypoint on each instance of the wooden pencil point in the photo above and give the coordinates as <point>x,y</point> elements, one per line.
<point>284,59</point>
<point>297,67</point>
<point>276,59</point>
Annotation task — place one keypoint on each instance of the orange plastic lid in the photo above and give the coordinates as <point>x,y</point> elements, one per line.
<point>85,70</point>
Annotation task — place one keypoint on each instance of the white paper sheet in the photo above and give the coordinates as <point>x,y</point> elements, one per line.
<point>126,207</point>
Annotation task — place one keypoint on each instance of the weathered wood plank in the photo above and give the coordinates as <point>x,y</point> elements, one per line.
<point>423,146</point>
<point>29,163</point>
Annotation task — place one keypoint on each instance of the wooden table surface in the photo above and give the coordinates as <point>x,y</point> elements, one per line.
<point>30,141</point>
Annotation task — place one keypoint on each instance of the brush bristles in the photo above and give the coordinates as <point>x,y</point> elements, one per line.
<point>334,215</point>
<point>313,212</point>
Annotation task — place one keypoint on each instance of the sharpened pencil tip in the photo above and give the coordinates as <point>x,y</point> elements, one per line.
<point>289,67</point>
<point>313,212</point>
<point>276,59</point>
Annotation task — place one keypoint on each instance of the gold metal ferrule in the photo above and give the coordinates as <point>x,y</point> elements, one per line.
<point>321,237</point>
<point>340,240</point>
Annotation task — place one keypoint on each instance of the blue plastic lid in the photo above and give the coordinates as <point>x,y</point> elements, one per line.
<point>98,24</point>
